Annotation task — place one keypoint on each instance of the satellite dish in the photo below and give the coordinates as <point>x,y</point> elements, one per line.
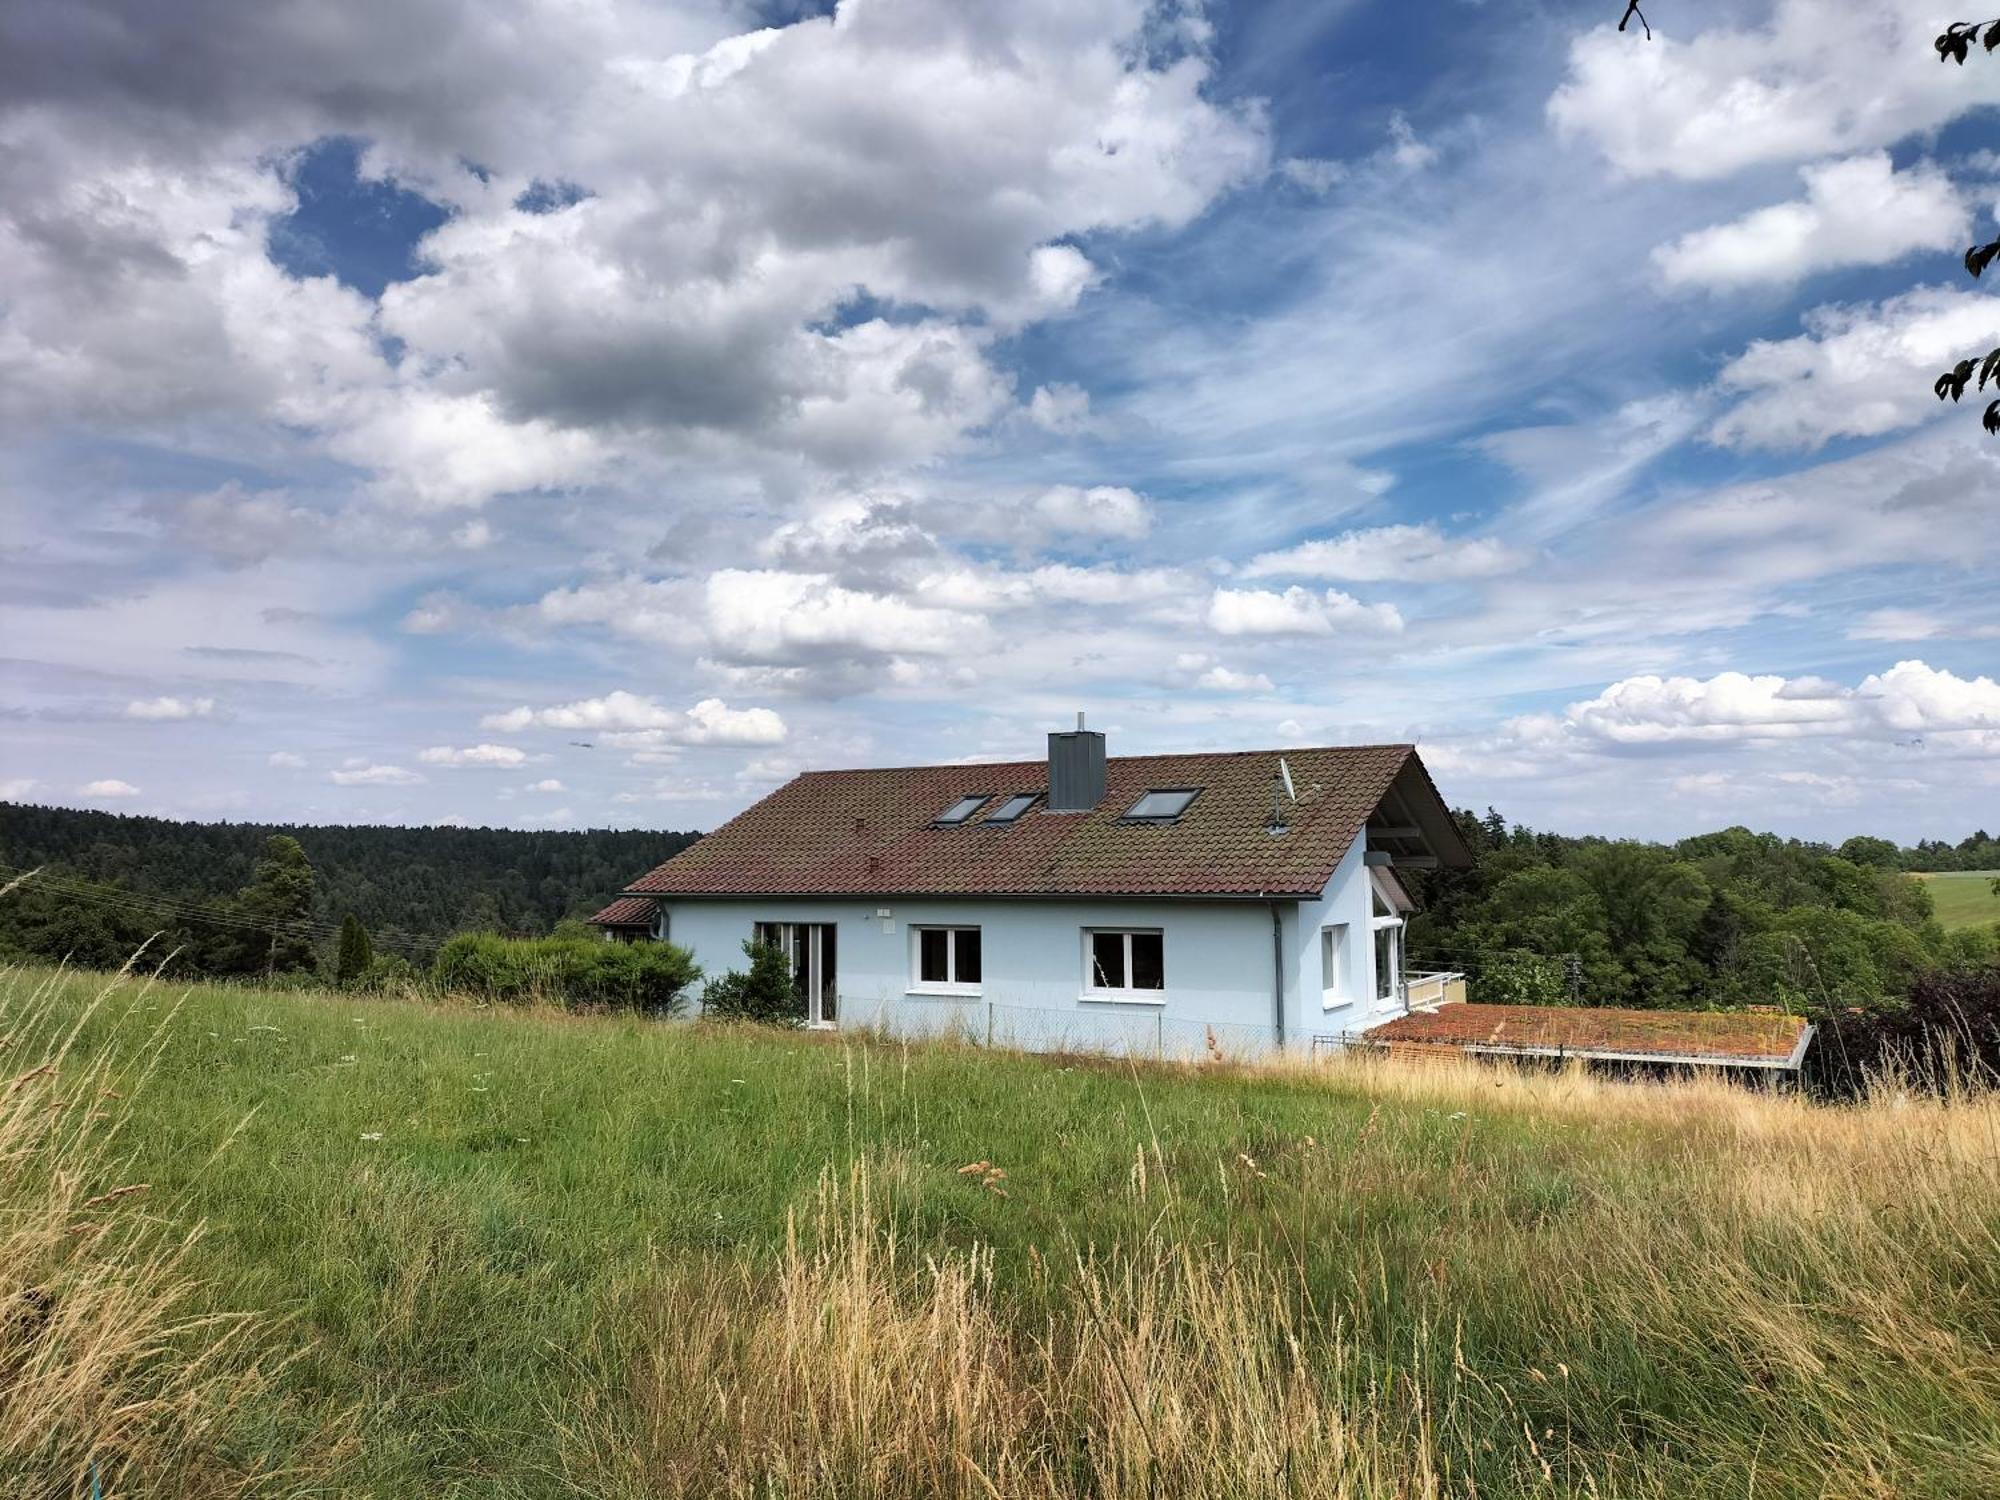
<point>1285,774</point>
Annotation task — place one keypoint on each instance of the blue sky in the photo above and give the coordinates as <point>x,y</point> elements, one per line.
<point>393,406</point>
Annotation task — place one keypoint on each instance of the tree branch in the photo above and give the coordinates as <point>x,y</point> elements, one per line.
<point>1631,10</point>
<point>1954,44</point>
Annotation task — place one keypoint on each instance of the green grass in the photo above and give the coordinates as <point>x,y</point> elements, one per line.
<point>490,1241</point>
<point>1964,898</point>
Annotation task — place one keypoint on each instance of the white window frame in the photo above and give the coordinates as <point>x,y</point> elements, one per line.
<point>1092,991</point>
<point>952,986</point>
<point>1336,961</point>
<point>1388,905</point>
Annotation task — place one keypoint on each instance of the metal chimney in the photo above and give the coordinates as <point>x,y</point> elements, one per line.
<point>1076,770</point>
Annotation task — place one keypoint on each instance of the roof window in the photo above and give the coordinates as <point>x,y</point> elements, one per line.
<point>1162,804</point>
<point>962,809</point>
<point>1010,810</point>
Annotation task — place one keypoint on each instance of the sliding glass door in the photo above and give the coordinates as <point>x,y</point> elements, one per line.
<point>810,949</point>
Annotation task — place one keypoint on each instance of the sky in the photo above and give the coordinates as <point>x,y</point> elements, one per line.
<point>580,413</point>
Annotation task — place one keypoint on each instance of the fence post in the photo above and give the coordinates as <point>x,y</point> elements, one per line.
<point>1159,1034</point>
<point>989,1023</point>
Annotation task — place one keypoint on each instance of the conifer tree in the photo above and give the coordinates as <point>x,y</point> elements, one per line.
<point>356,953</point>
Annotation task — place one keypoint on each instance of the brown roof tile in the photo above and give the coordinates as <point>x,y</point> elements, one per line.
<point>871,833</point>
<point>627,911</point>
<point>1755,1038</point>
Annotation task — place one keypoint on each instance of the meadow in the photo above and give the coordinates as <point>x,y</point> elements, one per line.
<point>1964,898</point>
<point>305,1244</point>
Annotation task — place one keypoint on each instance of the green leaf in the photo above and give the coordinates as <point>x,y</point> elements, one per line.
<point>1992,418</point>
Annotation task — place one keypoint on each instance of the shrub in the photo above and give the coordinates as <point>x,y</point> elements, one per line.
<point>766,993</point>
<point>577,973</point>
<point>1946,1033</point>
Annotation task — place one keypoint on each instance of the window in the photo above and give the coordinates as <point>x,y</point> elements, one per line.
<point>962,809</point>
<point>1335,986</point>
<point>1162,805</point>
<point>1387,926</point>
<point>1388,960</point>
<point>1011,809</point>
<point>947,958</point>
<point>811,949</point>
<point>1124,963</point>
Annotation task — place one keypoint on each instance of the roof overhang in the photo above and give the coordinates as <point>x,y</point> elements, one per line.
<point>1412,827</point>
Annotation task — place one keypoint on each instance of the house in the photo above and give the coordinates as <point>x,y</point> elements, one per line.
<point>1167,903</point>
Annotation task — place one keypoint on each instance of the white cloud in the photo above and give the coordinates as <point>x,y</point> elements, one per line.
<point>1405,149</point>
<point>1857,371</point>
<point>709,722</point>
<point>1060,408</point>
<point>286,760</point>
<point>1208,673</point>
<point>166,709</point>
<point>497,757</point>
<point>1315,174</point>
<point>1419,553</point>
<point>1858,212</point>
<point>1821,78</point>
<point>1910,698</point>
<point>1108,510</point>
<point>547,784</point>
<point>110,787</point>
<point>374,775</point>
<point>1297,611</point>
<point>692,304</point>
<point>1897,624</point>
<point>17,787</point>
<point>768,615</point>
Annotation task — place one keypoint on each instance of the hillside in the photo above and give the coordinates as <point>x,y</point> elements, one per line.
<point>401,882</point>
<point>513,1255</point>
<point>1965,898</point>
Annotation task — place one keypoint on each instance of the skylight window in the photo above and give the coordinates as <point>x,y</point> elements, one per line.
<point>962,809</point>
<point>1011,809</point>
<point>1163,805</point>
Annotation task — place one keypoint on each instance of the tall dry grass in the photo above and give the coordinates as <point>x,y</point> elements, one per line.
<point>111,1382</point>
<point>1752,1295</point>
<point>856,1366</point>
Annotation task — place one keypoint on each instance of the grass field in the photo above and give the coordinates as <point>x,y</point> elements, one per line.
<point>487,1254</point>
<point>1965,898</point>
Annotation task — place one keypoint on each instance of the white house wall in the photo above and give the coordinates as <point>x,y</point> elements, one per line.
<point>1347,898</point>
<point>1217,954</point>
<point>1217,958</point>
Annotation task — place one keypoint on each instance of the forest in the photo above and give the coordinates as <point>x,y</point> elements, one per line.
<point>109,880</point>
<point>1721,919</point>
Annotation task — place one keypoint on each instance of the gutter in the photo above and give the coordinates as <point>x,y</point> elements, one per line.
<point>1058,896</point>
<point>1278,974</point>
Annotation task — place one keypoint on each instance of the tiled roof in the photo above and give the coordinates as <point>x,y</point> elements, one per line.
<point>871,833</point>
<point>1750,1038</point>
<point>628,911</point>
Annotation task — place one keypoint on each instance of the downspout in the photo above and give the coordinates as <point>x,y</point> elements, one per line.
<point>1278,974</point>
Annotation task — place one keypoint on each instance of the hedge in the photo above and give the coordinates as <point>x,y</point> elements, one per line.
<point>578,973</point>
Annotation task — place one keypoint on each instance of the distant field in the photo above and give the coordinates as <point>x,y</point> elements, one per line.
<point>1964,898</point>
<point>504,1255</point>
